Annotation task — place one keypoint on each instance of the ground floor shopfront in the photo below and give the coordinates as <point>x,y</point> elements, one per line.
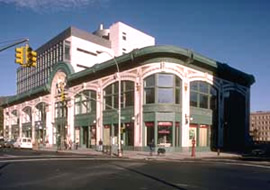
<point>162,101</point>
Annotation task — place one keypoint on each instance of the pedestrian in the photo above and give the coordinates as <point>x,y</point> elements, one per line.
<point>151,147</point>
<point>100,143</point>
<point>70,144</point>
<point>76,143</point>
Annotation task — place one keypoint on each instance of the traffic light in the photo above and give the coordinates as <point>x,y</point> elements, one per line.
<point>20,55</point>
<point>63,97</point>
<point>31,57</point>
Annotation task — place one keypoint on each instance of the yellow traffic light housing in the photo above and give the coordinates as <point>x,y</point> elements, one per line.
<point>63,97</point>
<point>31,57</point>
<point>62,91</point>
<point>20,55</point>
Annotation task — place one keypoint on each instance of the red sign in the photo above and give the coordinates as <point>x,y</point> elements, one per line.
<point>149,124</point>
<point>164,132</point>
<point>165,123</point>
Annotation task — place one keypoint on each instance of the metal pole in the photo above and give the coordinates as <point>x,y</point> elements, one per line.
<point>119,116</point>
<point>119,102</point>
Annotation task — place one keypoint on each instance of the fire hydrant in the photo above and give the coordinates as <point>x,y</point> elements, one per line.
<point>193,148</point>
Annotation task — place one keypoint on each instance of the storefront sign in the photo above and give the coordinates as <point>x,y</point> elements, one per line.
<point>164,132</point>
<point>165,123</point>
<point>149,124</point>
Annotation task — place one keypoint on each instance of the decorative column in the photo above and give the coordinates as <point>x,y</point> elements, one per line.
<point>138,98</point>
<point>70,119</point>
<point>49,126</point>
<point>20,115</point>
<point>185,112</point>
<point>34,117</point>
<point>99,115</point>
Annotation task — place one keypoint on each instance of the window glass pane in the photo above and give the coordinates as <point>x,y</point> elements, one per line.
<point>108,102</point>
<point>194,85</point>
<point>86,94</point>
<point>164,135</point>
<point>165,95</point>
<point>203,101</point>
<point>77,108</point>
<point>93,106</point>
<point>165,80</point>
<point>85,107</point>
<point>116,88</point>
<point>149,95</point>
<point>93,94</point>
<point>108,90</point>
<point>204,87</point>
<point>177,96</point>
<point>129,85</point>
<point>213,103</point>
<point>129,98</point>
<point>150,81</point>
<point>193,99</point>
<point>77,98</point>
<point>177,81</point>
<point>213,91</point>
<point>67,51</point>
<point>115,105</point>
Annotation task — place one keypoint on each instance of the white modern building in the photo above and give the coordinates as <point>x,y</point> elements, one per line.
<point>79,49</point>
<point>169,95</point>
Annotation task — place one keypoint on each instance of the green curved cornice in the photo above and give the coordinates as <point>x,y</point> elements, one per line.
<point>137,58</point>
<point>163,53</point>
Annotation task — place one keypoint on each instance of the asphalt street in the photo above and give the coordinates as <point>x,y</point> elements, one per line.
<point>26,169</point>
<point>37,170</point>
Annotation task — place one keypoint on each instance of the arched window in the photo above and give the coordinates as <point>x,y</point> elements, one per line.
<point>85,102</point>
<point>111,95</point>
<point>162,88</point>
<point>203,95</point>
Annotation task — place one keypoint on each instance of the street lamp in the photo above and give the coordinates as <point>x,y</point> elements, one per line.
<point>119,101</point>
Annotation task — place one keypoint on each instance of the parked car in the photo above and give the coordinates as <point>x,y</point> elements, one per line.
<point>23,142</point>
<point>10,143</point>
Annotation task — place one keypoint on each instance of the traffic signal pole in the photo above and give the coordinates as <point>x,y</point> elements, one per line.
<point>25,56</point>
<point>14,44</point>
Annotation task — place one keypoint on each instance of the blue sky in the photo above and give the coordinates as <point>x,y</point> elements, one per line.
<point>231,31</point>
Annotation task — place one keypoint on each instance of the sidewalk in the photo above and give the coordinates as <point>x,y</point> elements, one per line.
<point>146,155</point>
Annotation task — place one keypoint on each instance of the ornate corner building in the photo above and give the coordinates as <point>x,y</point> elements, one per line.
<point>168,94</point>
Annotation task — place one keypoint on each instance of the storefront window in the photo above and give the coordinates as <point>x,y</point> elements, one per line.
<point>165,95</point>
<point>60,110</point>
<point>149,95</point>
<point>111,95</point>
<point>203,95</point>
<point>162,89</point>
<point>85,102</point>
<point>165,80</point>
<point>165,133</point>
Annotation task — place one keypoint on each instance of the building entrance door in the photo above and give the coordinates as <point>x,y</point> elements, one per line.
<point>85,137</point>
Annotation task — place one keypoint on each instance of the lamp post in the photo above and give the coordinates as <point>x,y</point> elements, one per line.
<point>119,101</point>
